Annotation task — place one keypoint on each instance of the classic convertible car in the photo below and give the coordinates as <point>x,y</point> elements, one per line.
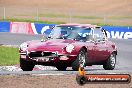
<point>70,45</point>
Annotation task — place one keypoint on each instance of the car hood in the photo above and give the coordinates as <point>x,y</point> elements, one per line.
<point>48,45</point>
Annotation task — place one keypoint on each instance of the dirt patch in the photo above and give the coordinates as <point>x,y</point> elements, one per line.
<point>116,12</point>
<point>87,6</point>
<point>63,81</point>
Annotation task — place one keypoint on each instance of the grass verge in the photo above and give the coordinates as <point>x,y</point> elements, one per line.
<point>45,22</point>
<point>9,56</point>
<point>57,22</point>
<point>29,20</point>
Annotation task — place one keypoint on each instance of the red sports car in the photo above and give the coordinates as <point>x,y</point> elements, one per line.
<point>70,45</point>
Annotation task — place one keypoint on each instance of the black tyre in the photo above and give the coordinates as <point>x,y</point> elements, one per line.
<point>26,65</point>
<point>81,80</point>
<point>61,67</point>
<point>110,63</point>
<point>80,61</point>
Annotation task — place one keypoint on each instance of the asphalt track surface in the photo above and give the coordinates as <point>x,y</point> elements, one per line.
<point>124,57</point>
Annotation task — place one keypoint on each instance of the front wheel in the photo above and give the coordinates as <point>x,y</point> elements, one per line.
<point>80,61</point>
<point>110,63</point>
<point>26,65</point>
<point>61,67</point>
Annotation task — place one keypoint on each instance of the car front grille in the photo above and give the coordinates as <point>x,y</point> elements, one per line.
<point>42,54</point>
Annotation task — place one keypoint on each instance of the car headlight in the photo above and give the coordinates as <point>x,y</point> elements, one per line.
<point>69,48</point>
<point>24,46</point>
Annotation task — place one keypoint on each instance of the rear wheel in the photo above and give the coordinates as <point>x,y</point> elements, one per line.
<point>110,63</point>
<point>26,65</point>
<point>80,61</point>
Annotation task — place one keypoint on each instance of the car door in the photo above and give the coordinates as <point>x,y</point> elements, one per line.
<point>91,51</point>
<point>90,47</point>
<point>100,45</point>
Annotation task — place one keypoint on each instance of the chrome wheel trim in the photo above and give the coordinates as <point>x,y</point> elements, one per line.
<point>82,60</point>
<point>113,60</point>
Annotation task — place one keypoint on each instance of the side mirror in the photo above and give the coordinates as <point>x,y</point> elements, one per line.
<point>49,37</point>
<point>45,38</point>
<point>95,38</point>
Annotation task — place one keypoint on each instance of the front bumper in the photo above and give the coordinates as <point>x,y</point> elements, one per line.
<point>47,57</point>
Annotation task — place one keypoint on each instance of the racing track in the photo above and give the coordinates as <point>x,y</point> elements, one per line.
<point>124,57</point>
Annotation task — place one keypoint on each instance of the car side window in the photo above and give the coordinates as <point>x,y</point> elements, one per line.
<point>89,37</point>
<point>85,34</point>
<point>99,34</point>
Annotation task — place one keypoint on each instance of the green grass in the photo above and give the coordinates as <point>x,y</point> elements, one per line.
<point>9,56</point>
<point>45,22</point>
<point>87,17</point>
<point>67,16</point>
<point>57,22</point>
<point>29,20</point>
<point>120,17</point>
<point>54,15</point>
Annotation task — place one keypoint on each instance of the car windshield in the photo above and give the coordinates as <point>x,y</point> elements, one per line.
<point>70,32</point>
